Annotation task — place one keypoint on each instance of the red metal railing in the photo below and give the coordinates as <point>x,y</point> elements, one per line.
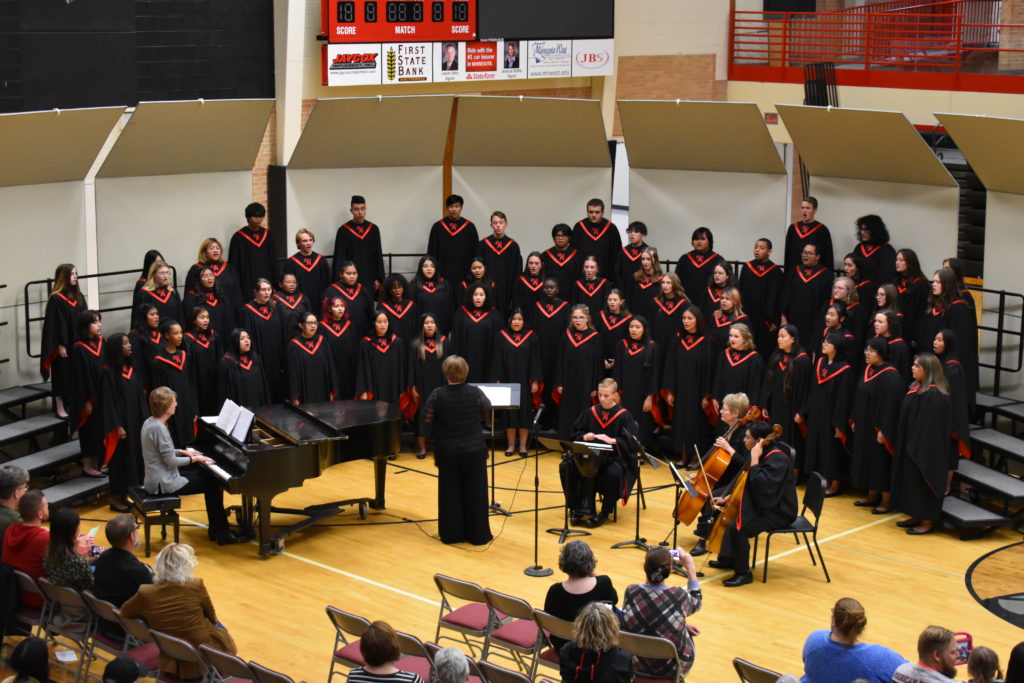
<point>957,45</point>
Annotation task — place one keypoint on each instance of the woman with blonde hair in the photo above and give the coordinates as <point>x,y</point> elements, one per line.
<point>158,290</point>
<point>838,656</point>
<point>211,255</point>
<point>593,654</point>
<point>645,284</point>
<point>62,308</point>
<point>177,603</point>
<point>740,367</point>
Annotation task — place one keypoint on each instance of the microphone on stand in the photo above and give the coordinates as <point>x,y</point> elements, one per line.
<point>536,418</point>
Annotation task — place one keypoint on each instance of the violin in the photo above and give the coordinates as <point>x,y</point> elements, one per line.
<point>727,515</point>
<point>712,466</point>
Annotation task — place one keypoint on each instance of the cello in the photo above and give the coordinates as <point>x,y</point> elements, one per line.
<point>712,466</point>
<point>728,513</point>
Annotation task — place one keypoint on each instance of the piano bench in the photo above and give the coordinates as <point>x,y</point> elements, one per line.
<point>155,508</point>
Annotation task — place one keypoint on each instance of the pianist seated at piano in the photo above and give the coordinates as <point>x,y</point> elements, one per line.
<point>606,426</point>
<point>170,470</point>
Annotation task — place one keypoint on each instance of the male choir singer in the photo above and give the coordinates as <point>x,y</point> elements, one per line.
<point>607,423</point>
<point>455,412</point>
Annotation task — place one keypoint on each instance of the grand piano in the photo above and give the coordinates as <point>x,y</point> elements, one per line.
<point>293,443</point>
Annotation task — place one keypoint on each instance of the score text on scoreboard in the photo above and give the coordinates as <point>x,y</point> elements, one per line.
<point>389,21</point>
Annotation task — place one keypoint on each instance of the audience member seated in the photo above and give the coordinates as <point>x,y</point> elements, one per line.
<point>379,647</point>
<point>13,484</point>
<point>178,604</point>
<point>565,600</point>
<point>983,666</point>
<point>30,661</point>
<point>25,541</point>
<point>63,564</point>
<point>1015,664</point>
<point>593,654</point>
<point>450,666</point>
<point>656,609</point>
<point>122,670</point>
<point>936,655</point>
<point>835,656</point>
<point>118,572</point>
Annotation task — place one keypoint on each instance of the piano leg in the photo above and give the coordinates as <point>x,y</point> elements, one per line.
<point>380,466</point>
<point>269,544</point>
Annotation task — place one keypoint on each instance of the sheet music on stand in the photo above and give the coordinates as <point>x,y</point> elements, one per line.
<point>500,395</point>
<point>240,432</point>
<point>596,445</point>
<point>228,416</point>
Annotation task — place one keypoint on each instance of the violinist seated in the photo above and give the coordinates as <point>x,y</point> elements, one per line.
<point>768,502</point>
<point>734,408</point>
<point>609,423</point>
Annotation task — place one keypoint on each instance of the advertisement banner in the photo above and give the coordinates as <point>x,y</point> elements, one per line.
<point>408,63</point>
<point>357,64</point>
<point>549,59</point>
<point>593,57</point>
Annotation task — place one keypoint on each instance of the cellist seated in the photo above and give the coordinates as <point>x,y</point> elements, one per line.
<point>768,502</point>
<point>734,407</point>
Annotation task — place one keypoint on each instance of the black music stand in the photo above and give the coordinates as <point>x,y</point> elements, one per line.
<point>683,487</point>
<point>536,569</point>
<point>512,402</point>
<point>638,541</point>
<point>566,447</point>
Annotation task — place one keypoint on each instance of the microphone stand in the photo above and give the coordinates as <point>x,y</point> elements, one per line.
<point>638,542</point>
<point>535,569</point>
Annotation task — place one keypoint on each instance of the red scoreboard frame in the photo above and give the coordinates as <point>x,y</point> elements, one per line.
<point>393,21</point>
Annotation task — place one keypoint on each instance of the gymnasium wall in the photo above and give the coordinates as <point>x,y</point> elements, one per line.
<point>1004,243</point>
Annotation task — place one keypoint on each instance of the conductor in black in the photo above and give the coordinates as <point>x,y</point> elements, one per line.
<point>605,423</point>
<point>455,412</point>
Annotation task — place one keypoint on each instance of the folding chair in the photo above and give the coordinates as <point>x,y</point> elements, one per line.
<point>145,653</point>
<point>142,643</point>
<point>69,618</point>
<point>521,636</point>
<point>472,619</point>
<point>224,666</point>
<point>28,615</point>
<point>475,675</point>
<point>346,653</point>
<point>415,656</point>
<point>652,647</point>
<point>261,674</point>
<point>551,625</point>
<point>182,652</point>
<point>499,674</point>
<point>814,500</point>
<point>752,673</point>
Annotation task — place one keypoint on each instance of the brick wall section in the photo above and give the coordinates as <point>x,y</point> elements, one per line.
<point>666,77</point>
<point>268,154</point>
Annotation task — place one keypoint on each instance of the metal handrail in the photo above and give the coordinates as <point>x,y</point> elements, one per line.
<point>1001,331</point>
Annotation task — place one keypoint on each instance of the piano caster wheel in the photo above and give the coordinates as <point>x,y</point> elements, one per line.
<point>276,546</point>
<point>363,509</point>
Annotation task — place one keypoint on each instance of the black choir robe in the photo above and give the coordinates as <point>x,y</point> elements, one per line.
<point>591,293</point>
<point>614,327</point>
<point>178,372</point>
<point>527,292</point>
<point>223,309</point>
<point>263,321</point>
<point>800,234</point>
<point>381,373</point>
<point>760,287</point>
<point>666,322</point>
<point>640,296</point>
<point>712,300</point>
<point>453,244</point>
<point>627,263</point>
<point>313,275</point>
<point>504,262</point>
<point>600,240</point>
<point>828,409</point>
<point>252,255</point>
<point>913,300</point>
<point>122,406</point>
<point>876,408</point>
<point>637,371</point>
<point>959,410</point>
<point>579,368</point>
<point>241,379</point>
<point>853,328</point>
<point>720,329</point>
<point>806,291</point>
<point>292,308</point>
<point>921,460</point>
<point>739,371</point>
<point>880,260</point>
<point>205,348</point>
<point>227,280</point>
<point>565,266</point>
<point>901,358</point>
<point>785,391</point>
<point>59,323</point>
<point>144,346</point>
<point>166,300</point>
<point>615,477</point>
<point>688,375</point>
<point>462,291</point>
<point>344,346</point>
<point>549,320</point>
<point>517,361</point>
<point>473,333</point>
<point>403,317</point>
<point>694,270</point>
<point>309,367</point>
<point>436,298</point>
<point>358,303</point>
<point>85,360</point>
<point>360,244</point>
<point>425,374</point>
<point>959,318</point>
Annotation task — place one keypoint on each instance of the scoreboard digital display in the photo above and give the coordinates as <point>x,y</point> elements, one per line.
<point>388,21</point>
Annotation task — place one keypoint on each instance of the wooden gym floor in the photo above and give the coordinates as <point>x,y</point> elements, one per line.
<point>382,568</point>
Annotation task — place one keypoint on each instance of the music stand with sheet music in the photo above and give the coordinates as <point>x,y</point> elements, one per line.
<point>568,447</point>
<point>502,397</point>
<point>683,487</point>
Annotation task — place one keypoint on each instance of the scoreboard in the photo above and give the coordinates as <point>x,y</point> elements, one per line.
<point>387,21</point>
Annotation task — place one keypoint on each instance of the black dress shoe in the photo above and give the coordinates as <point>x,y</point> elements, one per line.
<point>914,532</point>
<point>720,564</point>
<point>739,580</point>
<point>575,520</point>
<point>699,549</point>
<point>597,521</point>
<point>865,503</point>
<point>227,537</point>
<point>120,507</point>
<point>906,524</point>
<point>878,511</point>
